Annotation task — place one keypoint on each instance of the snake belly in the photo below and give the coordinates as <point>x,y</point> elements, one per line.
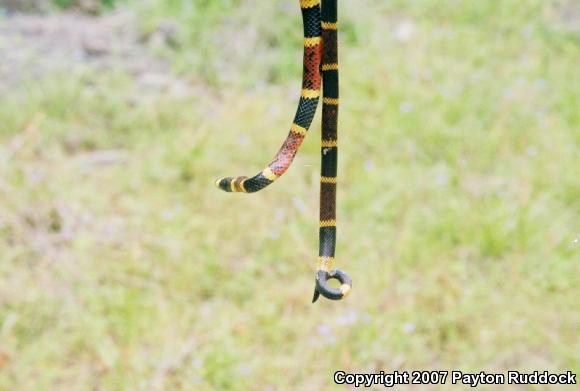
<point>311,82</point>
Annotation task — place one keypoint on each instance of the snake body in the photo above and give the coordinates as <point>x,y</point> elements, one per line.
<point>307,104</point>
<point>329,160</point>
<point>320,57</point>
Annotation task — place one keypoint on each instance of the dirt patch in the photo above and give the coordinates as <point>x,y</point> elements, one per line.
<point>89,6</point>
<point>24,5</point>
<point>34,45</point>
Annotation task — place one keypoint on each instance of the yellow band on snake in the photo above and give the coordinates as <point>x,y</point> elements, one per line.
<point>330,67</point>
<point>269,174</point>
<point>327,223</point>
<point>329,26</point>
<point>325,263</point>
<point>329,143</point>
<point>306,93</point>
<point>298,129</point>
<point>345,289</point>
<point>330,101</point>
<point>309,3</point>
<point>311,41</point>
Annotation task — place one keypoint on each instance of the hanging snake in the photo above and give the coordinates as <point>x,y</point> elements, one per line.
<point>320,67</point>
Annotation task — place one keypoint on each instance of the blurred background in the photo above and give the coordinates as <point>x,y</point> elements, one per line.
<point>122,267</point>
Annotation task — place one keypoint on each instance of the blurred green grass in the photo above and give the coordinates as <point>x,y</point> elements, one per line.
<point>122,267</point>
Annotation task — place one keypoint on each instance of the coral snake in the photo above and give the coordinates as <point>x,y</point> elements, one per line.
<point>320,68</point>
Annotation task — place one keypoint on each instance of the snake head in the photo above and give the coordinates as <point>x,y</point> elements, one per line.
<point>322,287</point>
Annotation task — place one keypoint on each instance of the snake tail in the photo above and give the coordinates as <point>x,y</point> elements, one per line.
<point>311,83</point>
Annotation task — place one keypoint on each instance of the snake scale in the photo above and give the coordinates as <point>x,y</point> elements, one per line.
<point>320,68</point>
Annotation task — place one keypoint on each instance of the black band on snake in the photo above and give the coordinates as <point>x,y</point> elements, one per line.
<point>320,56</point>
